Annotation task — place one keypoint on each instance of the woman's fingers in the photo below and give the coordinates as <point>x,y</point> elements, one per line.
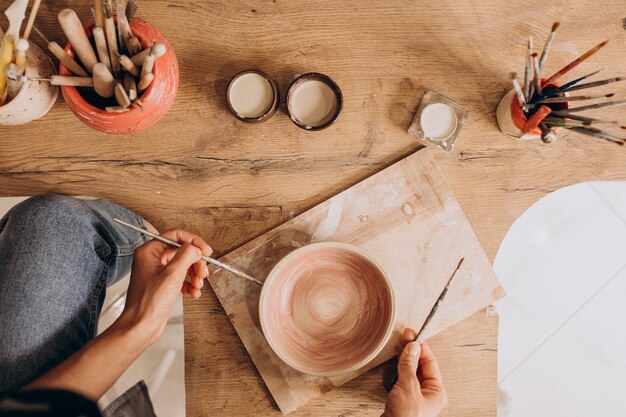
<point>186,256</point>
<point>407,365</point>
<point>432,384</point>
<point>182,236</point>
<point>190,291</point>
<point>408,335</point>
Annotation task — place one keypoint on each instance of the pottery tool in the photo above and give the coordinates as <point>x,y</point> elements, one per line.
<point>21,46</point>
<point>63,56</point>
<point>597,83</point>
<point>529,69</point>
<point>123,27</point>
<point>534,120</point>
<point>128,65</point>
<point>56,80</point>
<point>394,376</point>
<point>15,14</point>
<point>120,96</point>
<point>548,45</point>
<point>31,19</point>
<point>101,47</point>
<point>145,81</point>
<point>131,8</point>
<point>548,134</point>
<point>98,8</point>
<point>130,86</point>
<point>158,50</point>
<point>567,86</point>
<point>14,82</point>
<point>116,109</point>
<point>73,29</point>
<point>133,46</point>
<point>103,81</point>
<point>111,36</point>
<point>148,65</point>
<point>575,62</point>
<point>178,245</point>
<point>518,89</point>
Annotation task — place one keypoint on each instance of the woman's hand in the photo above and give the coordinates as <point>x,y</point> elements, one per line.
<point>158,278</point>
<point>419,392</point>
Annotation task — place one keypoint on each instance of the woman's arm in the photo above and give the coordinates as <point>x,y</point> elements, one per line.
<point>157,279</point>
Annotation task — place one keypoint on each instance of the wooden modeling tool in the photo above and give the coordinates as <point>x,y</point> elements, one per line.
<point>157,49</point>
<point>128,65</point>
<point>98,13</point>
<point>548,45</point>
<point>178,245</point>
<point>73,29</point>
<point>31,19</point>
<point>536,118</point>
<point>131,8</point>
<point>63,56</point>
<point>55,80</point>
<point>103,81</point>
<point>130,86</point>
<point>123,27</point>
<point>21,46</point>
<point>120,96</point>
<point>393,378</point>
<point>14,82</point>
<point>145,82</point>
<point>116,109</point>
<point>15,14</point>
<point>133,46</point>
<point>101,47</point>
<point>111,36</point>
<point>575,63</point>
<point>148,65</point>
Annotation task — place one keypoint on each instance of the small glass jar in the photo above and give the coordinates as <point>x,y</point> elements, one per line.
<point>438,121</point>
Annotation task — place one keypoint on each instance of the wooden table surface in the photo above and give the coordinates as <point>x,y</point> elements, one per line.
<point>203,170</point>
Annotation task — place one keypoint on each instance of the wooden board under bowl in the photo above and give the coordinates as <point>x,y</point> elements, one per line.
<point>408,219</point>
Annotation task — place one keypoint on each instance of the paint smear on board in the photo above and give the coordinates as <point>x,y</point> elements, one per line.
<point>329,225</point>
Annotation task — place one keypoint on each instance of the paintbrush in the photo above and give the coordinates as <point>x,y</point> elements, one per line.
<point>565,99</point>
<point>537,71</point>
<point>597,133</point>
<point>597,83</point>
<point>595,106</point>
<point>548,45</point>
<point>178,245</point>
<point>575,62</point>
<point>567,86</point>
<point>518,89</point>
<point>529,69</point>
<point>393,378</point>
<point>561,121</point>
<point>563,114</point>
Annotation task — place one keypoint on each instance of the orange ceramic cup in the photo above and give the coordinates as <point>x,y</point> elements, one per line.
<point>156,99</point>
<point>327,309</point>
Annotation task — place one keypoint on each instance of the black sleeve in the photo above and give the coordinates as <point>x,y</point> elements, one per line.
<point>44,403</point>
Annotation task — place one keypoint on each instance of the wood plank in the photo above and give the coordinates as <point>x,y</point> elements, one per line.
<point>201,169</point>
<point>407,218</point>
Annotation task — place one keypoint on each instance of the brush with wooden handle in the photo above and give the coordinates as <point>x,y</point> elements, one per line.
<point>73,29</point>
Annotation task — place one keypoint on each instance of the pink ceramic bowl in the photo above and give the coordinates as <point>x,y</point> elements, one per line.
<point>327,309</point>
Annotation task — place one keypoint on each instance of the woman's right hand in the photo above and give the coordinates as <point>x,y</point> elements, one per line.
<point>419,392</point>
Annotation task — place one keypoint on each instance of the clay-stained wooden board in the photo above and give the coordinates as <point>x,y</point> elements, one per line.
<point>408,219</point>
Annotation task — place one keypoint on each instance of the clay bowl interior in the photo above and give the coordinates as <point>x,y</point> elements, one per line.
<point>327,309</point>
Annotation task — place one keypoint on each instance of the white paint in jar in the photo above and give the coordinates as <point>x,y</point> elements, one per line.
<point>251,95</point>
<point>438,121</point>
<point>313,103</point>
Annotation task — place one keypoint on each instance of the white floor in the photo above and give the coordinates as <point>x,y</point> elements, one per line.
<point>562,338</point>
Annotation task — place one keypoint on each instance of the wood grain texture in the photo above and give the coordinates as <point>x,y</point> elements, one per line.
<point>407,218</point>
<point>201,169</point>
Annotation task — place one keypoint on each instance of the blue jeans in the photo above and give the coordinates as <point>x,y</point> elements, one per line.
<point>57,256</point>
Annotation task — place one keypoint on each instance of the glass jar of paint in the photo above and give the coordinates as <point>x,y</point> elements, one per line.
<point>438,121</point>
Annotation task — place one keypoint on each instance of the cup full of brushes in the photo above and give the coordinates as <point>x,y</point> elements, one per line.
<point>119,73</point>
<point>540,106</point>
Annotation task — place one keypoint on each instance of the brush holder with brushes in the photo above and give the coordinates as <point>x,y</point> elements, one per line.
<point>511,118</point>
<point>155,100</point>
<point>34,99</point>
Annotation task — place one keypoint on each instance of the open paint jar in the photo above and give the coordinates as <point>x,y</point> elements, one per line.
<point>252,96</point>
<point>438,121</point>
<point>314,101</point>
